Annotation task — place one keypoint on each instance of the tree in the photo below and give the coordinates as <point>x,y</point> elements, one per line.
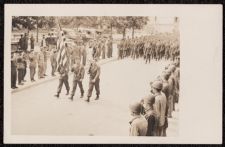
<point>136,22</point>
<point>33,22</point>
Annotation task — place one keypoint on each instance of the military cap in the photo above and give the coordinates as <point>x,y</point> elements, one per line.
<point>166,75</point>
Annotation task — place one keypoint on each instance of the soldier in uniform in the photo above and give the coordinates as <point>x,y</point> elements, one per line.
<point>32,42</point>
<point>32,66</point>
<point>94,72</point>
<point>24,61</point>
<point>53,58</point>
<point>13,71</point>
<point>63,79</point>
<point>160,106</point>
<point>40,61</point>
<point>21,42</point>
<point>20,68</point>
<point>138,124</point>
<point>45,52</point>
<point>109,47</point>
<point>25,42</point>
<point>78,70</point>
<point>150,114</point>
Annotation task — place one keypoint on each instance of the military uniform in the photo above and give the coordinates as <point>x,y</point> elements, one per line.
<point>40,61</point>
<point>53,59</point>
<point>33,64</point>
<point>63,79</point>
<point>13,72</point>
<point>94,72</point>
<point>138,126</point>
<point>32,43</point>
<point>78,71</point>
<point>20,68</point>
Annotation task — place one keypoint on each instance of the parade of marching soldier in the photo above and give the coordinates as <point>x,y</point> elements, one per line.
<point>95,75</point>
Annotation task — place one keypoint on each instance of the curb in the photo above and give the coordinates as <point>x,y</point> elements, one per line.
<point>39,82</point>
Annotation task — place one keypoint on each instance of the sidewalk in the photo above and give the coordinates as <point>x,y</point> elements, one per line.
<point>29,84</point>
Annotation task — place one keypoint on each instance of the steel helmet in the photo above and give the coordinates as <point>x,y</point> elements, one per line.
<point>157,85</point>
<point>135,107</point>
<point>150,99</point>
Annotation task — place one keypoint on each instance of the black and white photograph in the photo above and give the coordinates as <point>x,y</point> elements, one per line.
<point>96,75</point>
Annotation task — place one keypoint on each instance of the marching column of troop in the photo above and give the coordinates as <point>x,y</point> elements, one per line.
<point>149,47</point>
<point>102,48</point>
<point>150,115</point>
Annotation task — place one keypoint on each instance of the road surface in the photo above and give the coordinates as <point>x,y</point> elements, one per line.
<point>35,111</point>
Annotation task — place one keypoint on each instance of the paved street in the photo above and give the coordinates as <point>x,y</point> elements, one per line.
<point>35,110</point>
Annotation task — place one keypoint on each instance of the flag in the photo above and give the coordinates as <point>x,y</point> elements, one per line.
<point>62,57</point>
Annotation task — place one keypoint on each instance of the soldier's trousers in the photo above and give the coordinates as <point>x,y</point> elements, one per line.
<point>75,83</point>
<point>64,81</point>
<point>40,70</point>
<point>170,102</point>
<point>13,78</point>
<point>45,67</point>
<point>148,58</point>
<point>20,75</point>
<point>24,73</point>
<point>54,65</point>
<point>92,85</point>
<point>32,72</point>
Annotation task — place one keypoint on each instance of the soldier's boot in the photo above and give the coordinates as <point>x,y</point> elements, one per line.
<point>97,97</point>
<point>82,95</point>
<point>88,99</point>
<point>71,97</point>
<point>57,95</point>
<point>67,93</point>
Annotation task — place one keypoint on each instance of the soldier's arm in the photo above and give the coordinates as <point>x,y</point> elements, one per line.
<point>134,130</point>
<point>98,73</point>
<point>82,72</point>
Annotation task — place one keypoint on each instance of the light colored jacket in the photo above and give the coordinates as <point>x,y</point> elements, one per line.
<point>160,108</point>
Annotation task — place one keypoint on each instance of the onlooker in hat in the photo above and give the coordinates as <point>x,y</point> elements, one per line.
<point>138,124</point>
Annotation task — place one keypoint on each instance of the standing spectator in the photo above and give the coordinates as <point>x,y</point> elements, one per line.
<point>20,68</point>
<point>138,124</point>
<point>25,42</point>
<point>160,106</point>
<point>45,52</point>
<point>13,71</point>
<point>150,114</point>
<point>40,60</point>
<point>53,58</point>
<point>32,42</point>
<point>32,66</point>
<point>21,43</point>
<point>24,61</point>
